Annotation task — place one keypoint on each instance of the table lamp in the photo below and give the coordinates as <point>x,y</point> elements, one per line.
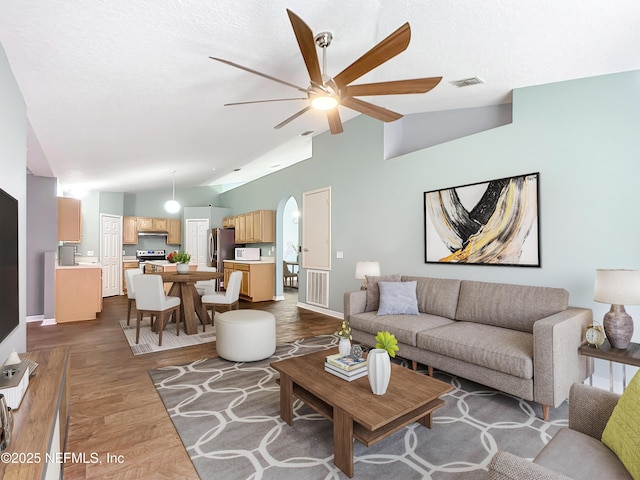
<point>619,288</point>
<point>367,268</point>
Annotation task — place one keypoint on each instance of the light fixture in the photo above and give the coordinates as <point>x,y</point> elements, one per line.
<point>324,102</point>
<point>172,206</point>
<point>619,288</point>
<point>367,268</point>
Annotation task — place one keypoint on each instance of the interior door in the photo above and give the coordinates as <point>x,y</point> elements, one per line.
<point>197,240</point>
<point>111,254</point>
<point>316,229</point>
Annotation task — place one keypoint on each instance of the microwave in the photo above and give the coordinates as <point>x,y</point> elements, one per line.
<point>247,254</point>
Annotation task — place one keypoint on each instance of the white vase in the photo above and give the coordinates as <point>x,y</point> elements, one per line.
<point>379,370</point>
<point>344,346</point>
<point>182,267</point>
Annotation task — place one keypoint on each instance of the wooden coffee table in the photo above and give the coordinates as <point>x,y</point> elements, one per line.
<point>353,409</point>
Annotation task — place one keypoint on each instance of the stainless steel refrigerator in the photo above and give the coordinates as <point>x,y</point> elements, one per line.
<point>221,247</point>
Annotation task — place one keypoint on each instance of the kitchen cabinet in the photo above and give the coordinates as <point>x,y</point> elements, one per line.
<point>229,222</point>
<point>253,227</point>
<point>258,279</point>
<point>174,227</point>
<point>146,224</point>
<point>241,232</point>
<point>129,230</point>
<point>69,220</point>
<point>78,292</point>
<point>128,265</point>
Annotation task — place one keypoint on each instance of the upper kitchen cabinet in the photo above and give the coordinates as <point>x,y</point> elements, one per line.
<point>253,227</point>
<point>174,227</point>
<point>129,230</point>
<point>145,224</point>
<point>69,220</point>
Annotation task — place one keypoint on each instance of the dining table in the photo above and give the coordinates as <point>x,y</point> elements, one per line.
<point>184,287</point>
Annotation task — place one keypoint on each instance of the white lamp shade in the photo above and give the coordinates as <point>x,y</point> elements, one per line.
<point>367,268</point>
<point>617,287</point>
<point>172,206</point>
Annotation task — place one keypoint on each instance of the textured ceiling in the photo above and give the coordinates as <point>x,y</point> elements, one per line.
<point>119,94</point>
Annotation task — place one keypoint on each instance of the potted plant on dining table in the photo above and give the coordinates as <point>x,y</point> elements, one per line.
<point>181,259</point>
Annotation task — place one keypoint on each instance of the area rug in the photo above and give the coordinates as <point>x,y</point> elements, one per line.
<point>149,340</point>
<point>227,415</point>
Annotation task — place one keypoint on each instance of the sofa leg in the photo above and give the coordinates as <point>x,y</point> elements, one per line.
<point>545,412</point>
<point>430,371</point>
<point>414,365</point>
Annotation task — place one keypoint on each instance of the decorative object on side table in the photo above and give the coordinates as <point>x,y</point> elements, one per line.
<point>344,345</point>
<point>619,288</point>
<point>379,363</point>
<point>347,367</point>
<point>595,334</point>
<point>182,259</point>
<point>367,268</point>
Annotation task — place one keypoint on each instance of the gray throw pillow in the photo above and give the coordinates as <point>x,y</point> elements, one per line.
<point>373,292</point>
<point>398,298</point>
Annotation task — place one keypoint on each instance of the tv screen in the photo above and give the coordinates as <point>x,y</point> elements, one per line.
<point>9,313</point>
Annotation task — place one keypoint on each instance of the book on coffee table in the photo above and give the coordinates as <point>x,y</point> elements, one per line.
<point>348,376</point>
<point>346,362</point>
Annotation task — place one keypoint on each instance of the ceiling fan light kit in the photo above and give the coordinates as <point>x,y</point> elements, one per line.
<point>326,93</point>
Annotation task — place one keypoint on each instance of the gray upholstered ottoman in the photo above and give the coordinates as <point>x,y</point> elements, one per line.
<point>245,335</point>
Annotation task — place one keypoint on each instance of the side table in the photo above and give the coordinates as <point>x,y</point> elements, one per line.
<point>630,356</point>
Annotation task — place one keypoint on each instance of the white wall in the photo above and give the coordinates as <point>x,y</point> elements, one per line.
<point>13,180</point>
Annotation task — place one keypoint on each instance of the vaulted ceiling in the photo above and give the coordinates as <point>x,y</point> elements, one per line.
<point>120,94</point>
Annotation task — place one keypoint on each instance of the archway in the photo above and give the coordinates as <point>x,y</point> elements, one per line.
<point>287,242</point>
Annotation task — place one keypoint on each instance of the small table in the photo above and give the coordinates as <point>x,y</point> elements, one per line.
<point>629,356</point>
<point>354,410</point>
<point>184,286</point>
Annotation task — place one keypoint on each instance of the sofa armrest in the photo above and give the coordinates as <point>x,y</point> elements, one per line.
<point>507,466</point>
<point>354,302</point>
<point>556,362</point>
<point>590,409</point>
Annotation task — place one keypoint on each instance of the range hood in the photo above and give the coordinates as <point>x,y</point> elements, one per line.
<point>153,234</point>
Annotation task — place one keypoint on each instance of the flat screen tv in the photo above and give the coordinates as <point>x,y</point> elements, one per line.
<point>9,313</point>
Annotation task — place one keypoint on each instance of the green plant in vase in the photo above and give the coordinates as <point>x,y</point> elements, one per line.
<point>387,341</point>
<point>344,346</point>
<point>179,257</point>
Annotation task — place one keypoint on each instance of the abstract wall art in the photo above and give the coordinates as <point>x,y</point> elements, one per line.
<point>489,223</point>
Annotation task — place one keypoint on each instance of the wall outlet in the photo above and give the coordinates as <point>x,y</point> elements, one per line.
<point>339,254</point>
<point>90,253</point>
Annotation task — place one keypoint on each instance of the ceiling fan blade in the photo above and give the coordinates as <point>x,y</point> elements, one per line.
<point>388,48</point>
<point>264,101</point>
<point>255,72</point>
<point>335,124</point>
<point>416,85</point>
<point>293,117</point>
<point>370,109</point>
<point>307,45</point>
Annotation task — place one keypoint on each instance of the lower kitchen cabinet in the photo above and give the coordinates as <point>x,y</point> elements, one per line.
<point>258,279</point>
<point>128,265</point>
<point>78,293</point>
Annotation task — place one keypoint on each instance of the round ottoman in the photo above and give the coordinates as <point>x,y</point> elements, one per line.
<point>245,335</point>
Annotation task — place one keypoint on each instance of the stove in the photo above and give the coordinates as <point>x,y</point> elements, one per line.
<point>148,255</point>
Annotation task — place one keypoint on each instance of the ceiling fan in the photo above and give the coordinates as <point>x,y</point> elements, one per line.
<point>327,93</point>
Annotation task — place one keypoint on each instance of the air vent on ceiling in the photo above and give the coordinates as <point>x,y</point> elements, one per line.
<point>465,82</point>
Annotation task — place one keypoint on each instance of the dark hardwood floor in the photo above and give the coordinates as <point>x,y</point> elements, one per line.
<point>115,408</point>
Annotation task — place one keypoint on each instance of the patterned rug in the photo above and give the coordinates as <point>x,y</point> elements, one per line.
<point>227,415</point>
<point>149,340</point>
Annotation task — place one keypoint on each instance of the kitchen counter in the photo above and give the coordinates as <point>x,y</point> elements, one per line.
<point>78,294</point>
<point>80,265</point>
<point>263,260</point>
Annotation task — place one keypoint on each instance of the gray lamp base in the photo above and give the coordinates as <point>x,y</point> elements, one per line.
<point>618,326</point>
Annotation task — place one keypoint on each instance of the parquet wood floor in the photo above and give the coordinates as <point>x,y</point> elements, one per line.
<point>115,408</point>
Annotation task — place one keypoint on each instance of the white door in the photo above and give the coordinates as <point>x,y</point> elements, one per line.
<point>111,254</point>
<point>316,229</point>
<point>197,240</point>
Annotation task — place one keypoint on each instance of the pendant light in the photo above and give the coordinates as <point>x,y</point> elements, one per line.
<point>172,206</point>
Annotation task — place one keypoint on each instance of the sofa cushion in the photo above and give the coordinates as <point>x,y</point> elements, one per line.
<point>577,455</point>
<point>501,349</point>
<point>622,433</point>
<point>398,298</point>
<point>437,296</point>
<point>404,327</point>
<point>506,305</point>
<point>373,292</point>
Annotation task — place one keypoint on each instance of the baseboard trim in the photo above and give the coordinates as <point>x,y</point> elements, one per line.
<point>278,298</point>
<point>324,311</point>
<point>48,321</point>
<point>35,318</point>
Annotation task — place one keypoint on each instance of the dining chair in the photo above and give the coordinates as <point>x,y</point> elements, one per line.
<point>151,299</point>
<point>229,298</point>
<point>128,280</point>
<point>288,275</point>
<point>206,285</point>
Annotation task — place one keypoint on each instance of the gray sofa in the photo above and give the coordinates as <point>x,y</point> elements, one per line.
<point>575,452</point>
<point>522,340</point>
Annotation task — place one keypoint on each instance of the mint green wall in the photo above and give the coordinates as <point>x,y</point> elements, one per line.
<point>13,180</point>
<point>151,204</point>
<point>582,136</point>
